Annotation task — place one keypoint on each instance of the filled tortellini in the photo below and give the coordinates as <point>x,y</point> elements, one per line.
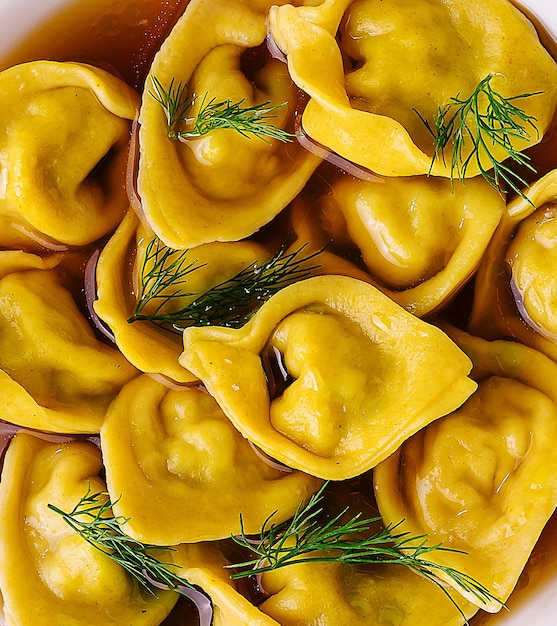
<point>144,345</point>
<point>482,480</point>
<point>331,593</point>
<point>145,338</point>
<point>516,288</point>
<point>222,185</point>
<point>55,375</point>
<point>397,64</point>
<point>421,238</point>
<point>168,455</point>
<point>357,375</point>
<point>62,153</point>
<point>48,573</point>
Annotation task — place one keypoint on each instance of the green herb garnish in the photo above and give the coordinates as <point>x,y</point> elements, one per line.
<point>93,520</point>
<point>247,120</point>
<point>485,120</point>
<point>309,537</point>
<point>305,538</point>
<point>164,278</point>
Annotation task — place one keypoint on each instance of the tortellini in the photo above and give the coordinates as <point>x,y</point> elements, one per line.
<point>516,288</point>
<point>55,375</point>
<point>421,238</point>
<point>144,345</point>
<point>360,370</point>
<point>129,267</point>
<point>330,594</point>
<point>223,185</point>
<point>62,154</point>
<point>397,64</point>
<point>48,573</point>
<point>169,456</point>
<point>482,481</point>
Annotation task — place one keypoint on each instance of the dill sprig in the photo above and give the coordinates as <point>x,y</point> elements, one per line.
<point>486,120</point>
<point>309,537</point>
<point>212,115</point>
<point>173,102</point>
<point>163,268</point>
<point>93,520</point>
<point>229,303</point>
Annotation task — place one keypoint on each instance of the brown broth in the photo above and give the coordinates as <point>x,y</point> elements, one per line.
<point>120,34</point>
<point>123,36</point>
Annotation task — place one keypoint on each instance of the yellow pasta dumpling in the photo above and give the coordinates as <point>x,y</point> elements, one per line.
<point>421,238</point>
<point>55,375</point>
<point>375,71</point>
<point>48,573</point>
<point>516,288</point>
<point>481,481</point>
<point>532,252</point>
<point>221,185</point>
<point>182,473</point>
<point>63,153</point>
<point>133,306</point>
<point>350,375</point>
<point>330,594</point>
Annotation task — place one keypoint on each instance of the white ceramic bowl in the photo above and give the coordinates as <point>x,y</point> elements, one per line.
<point>546,11</point>
<point>19,17</point>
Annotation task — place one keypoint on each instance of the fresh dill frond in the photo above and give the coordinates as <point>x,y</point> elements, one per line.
<point>308,537</point>
<point>162,268</point>
<point>229,303</point>
<point>212,115</point>
<point>311,537</point>
<point>476,126</point>
<point>93,520</point>
<point>173,102</point>
<point>244,119</point>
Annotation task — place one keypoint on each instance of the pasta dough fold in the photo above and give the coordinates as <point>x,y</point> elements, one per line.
<point>365,92</point>
<point>63,153</point>
<point>225,185</point>
<point>481,481</point>
<point>359,371</point>
<point>203,564</point>
<point>332,593</point>
<point>151,346</point>
<point>168,457</point>
<point>54,373</point>
<point>516,287</point>
<point>421,238</point>
<point>48,573</point>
